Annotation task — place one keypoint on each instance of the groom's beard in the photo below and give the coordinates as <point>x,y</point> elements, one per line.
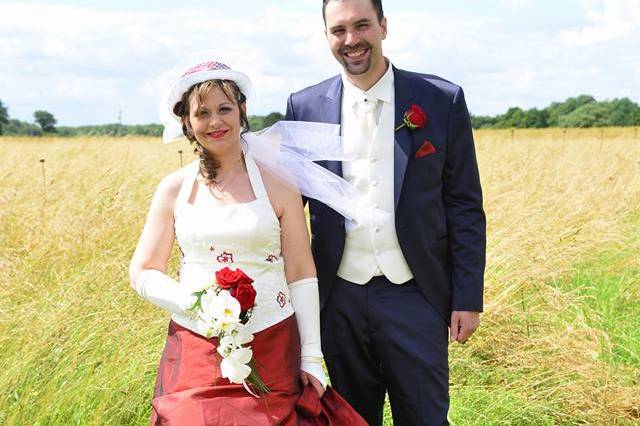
<point>362,66</point>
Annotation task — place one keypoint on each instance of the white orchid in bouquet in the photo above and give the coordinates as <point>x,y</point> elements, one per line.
<point>222,310</point>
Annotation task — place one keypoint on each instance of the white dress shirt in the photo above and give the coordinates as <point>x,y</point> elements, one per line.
<point>368,133</point>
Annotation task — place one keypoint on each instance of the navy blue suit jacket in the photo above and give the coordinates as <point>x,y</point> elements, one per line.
<point>439,218</point>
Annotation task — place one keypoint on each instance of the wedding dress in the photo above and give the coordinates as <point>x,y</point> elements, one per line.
<point>189,388</point>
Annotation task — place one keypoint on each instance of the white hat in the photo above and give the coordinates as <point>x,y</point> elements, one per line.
<point>203,71</point>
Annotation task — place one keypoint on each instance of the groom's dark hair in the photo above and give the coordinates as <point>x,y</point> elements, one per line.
<point>377,5</point>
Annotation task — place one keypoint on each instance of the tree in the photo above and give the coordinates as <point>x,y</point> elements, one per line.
<point>536,118</point>
<point>482,121</point>
<point>256,122</point>
<point>272,119</point>
<point>593,114</point>
<point>4,116</point>
<point>514,117</point>
<point>624,112</point>
<point>21,128</point>
<point>45,120</point>
<point>618,112</point>
<point>557,110</point>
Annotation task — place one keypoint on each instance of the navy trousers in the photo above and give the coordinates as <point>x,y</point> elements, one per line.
<point>382,337</point>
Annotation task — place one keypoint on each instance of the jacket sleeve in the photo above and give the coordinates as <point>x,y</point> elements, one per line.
<point>290,115</point>
<point>466,223</point>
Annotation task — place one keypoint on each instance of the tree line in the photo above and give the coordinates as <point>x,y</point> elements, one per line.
<point>580,111</point>
<point>44,123</point>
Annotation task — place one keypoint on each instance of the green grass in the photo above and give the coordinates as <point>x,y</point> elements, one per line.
<point>609,286</point>
<point>605,288</point>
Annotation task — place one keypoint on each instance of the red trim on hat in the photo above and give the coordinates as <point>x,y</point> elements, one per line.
<point>206,66</point>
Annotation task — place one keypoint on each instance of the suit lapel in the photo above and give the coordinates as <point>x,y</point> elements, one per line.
<point>331,111</point>
<point>403,138</point>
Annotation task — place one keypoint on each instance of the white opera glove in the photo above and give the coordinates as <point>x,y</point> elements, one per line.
<point>306,304</point>
<point>163,291</point>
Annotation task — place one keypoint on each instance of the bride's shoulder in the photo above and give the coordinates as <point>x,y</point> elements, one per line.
<point>281,194</point>
<point>170,185</point>
<point>275,185</point>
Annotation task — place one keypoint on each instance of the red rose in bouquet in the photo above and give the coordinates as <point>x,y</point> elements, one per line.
<point>229,279</point>
<point>246,295</point>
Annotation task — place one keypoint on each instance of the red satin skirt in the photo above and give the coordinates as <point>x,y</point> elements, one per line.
<point>191,391</point>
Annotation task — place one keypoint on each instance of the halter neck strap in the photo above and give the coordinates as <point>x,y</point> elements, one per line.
<point>255,177</point>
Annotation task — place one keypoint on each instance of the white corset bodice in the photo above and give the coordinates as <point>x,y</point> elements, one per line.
<point>243,235</point>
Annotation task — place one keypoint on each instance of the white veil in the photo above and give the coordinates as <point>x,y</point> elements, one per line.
<point>289,150</point>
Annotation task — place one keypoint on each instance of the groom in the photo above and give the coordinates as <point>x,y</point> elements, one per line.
<point>390,291</point>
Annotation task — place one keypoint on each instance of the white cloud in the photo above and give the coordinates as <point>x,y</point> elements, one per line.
<point>618,19</point>
<point>85,64</point>
<point>517,4</point>
<point>110,60</point>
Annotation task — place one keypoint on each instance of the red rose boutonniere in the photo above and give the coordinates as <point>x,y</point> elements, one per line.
<point>414,118</point>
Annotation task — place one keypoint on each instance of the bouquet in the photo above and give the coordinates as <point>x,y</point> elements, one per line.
<point>222,310</point>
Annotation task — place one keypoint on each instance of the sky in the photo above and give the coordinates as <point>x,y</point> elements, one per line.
<point>91,62</point>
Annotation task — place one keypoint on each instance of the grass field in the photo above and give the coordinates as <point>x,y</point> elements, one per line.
<point>559,342</point>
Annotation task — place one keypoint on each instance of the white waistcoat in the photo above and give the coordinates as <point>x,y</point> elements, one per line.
<point>371,249</point>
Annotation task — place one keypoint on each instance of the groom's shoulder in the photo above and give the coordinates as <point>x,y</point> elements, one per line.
<point>316,90</point>
<point>429,82</point>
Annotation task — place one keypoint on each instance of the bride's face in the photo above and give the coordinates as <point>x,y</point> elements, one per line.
<point>216,121</point>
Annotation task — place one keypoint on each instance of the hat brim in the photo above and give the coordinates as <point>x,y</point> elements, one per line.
<point>176,92</point>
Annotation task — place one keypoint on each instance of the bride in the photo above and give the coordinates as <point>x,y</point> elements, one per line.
<point>226,211</point>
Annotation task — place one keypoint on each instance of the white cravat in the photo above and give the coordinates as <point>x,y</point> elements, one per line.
<point>366,109</point>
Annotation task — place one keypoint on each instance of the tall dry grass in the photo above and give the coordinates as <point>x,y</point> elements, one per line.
<point>552,198</point>
<point>78,347</point>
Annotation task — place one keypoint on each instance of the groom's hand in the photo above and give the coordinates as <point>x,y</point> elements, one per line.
<point>463,324</point>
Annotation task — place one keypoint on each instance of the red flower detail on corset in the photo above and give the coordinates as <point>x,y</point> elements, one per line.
<point>271,258</point>
<point>225,257</point>
<point>282,299</point>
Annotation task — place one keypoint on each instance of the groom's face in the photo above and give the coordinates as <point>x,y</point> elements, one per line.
<point>355,35</point>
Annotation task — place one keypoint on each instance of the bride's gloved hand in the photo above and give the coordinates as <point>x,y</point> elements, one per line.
<point>163,291</point>
<point>306,304</point>
<point>307,378</point>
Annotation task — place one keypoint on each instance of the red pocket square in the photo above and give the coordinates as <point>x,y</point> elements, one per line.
<point>427,148</point>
